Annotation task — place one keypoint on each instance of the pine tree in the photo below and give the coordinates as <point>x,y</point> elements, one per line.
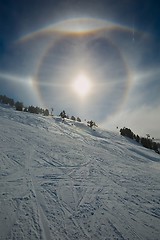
<point>19,106</point>
<point>78,119</point>
<point>46,112</point>
<point>73,118</point>
<point>63,114</point>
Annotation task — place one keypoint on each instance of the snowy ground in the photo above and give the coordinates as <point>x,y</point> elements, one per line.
<point>64,181</point>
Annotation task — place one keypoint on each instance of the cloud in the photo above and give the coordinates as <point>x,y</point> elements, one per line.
<point>142,120</point>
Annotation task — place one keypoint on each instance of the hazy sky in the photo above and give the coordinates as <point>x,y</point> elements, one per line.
<point>113,47</point>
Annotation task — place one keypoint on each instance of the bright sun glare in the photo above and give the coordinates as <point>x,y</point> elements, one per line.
<point>81,85</point>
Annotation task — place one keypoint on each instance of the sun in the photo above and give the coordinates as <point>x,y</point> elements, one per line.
<point>81,85</point>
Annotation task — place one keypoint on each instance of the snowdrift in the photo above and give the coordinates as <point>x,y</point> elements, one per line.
<point>66,181</point>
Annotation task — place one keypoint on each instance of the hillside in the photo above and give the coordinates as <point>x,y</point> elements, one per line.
<point>66,181</point>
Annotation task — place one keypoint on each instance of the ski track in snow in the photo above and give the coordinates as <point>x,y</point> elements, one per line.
<point>66,181</point>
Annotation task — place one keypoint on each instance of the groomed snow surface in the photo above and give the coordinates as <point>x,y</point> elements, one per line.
<point>65,181</point>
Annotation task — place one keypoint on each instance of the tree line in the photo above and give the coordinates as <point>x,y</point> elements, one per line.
<point>64,115</point>
<point>147,142</point>
<point>20,107</point>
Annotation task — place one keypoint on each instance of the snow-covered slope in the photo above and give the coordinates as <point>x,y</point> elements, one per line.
<point>64,181</point>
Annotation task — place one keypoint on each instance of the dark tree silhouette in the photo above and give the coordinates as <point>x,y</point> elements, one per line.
<point>73,118</point>
<point>46,112</point>
<point>137,138</point>
<point>127,132</point>
<point>6,100</point>
<point>78,119</point>
<point>63,114</point>
<point>91,124</point>
<point>19,106</point>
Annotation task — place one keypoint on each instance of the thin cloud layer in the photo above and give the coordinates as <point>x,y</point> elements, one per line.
<point>143,120</point>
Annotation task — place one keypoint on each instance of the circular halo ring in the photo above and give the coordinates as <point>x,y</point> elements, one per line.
<point>78,28</point>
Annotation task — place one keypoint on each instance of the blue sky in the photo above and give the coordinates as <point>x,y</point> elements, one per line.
<point>46,45</point>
